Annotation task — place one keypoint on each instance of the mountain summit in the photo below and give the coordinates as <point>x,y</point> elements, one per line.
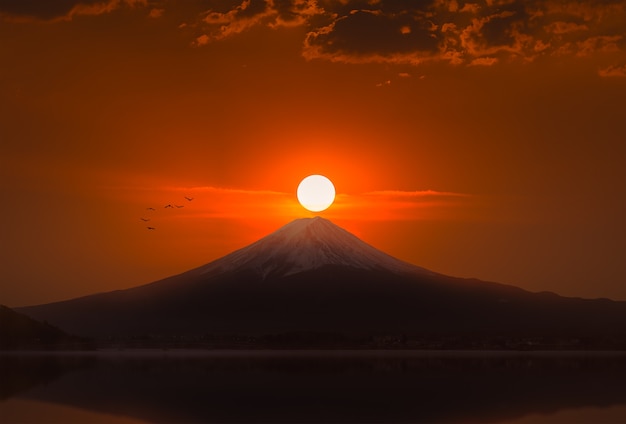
<point>307,244</point>
<point>313,276</point>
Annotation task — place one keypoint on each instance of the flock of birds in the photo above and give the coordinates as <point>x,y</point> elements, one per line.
<point>168,206</point>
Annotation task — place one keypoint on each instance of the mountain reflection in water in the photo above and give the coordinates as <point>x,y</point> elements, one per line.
<point>262,386</point>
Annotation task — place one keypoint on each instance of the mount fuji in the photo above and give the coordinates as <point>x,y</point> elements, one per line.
<point>306,245</point>
<point>313,276</point>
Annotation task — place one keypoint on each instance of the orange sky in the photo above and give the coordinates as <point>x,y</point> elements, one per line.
<point>478,139</point>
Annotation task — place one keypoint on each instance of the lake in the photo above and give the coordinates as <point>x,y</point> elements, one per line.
<point>167,386</point>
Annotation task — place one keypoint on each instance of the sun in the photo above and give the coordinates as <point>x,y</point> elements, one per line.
<point>316,193</point>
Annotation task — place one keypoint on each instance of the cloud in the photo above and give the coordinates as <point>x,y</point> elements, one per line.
<point>156,13</point>
<point>234,203</point>
<point>394,32</point>
<point>291,13</point>
<point>561,27</point>
<point>613,71</point>
<point>226,190</point>
<point>248,14</point>
<point>207,202</point>
<point>60,10</point>
<point>415,194</point>
<point>483,33</point>
<point>201,40</point>
<point>483,61</point>
<point>592,11</point>
<point>373,36</point>
<point>598,44</point>
<point>493,34</point>
<point>473,8</point>
<point>405,205</point>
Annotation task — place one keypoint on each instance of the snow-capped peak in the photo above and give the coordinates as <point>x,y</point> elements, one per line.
<point>307,244</point>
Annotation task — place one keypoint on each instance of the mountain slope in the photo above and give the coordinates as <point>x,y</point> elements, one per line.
<point>311,275</point>
<point>308,244</point>
<point>18,331</point>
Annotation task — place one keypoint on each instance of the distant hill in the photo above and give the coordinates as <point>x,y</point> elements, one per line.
<point>312,278</point>
<point>18,331</point>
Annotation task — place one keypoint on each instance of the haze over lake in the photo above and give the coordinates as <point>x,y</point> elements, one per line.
<point>314,386</point>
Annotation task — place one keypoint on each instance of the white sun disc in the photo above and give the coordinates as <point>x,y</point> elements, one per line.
<point>316,193</point>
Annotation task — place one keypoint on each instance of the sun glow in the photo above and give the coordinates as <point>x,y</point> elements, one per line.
<point>316,193</point>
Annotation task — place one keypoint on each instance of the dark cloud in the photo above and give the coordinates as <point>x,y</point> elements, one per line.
<point>251,8</point>
<point>366,32</point>
<point>298,12</point>
<point>500,29</point>
<point>44,10</point>
<point>243,15</point>
<point>343,8</point>
<point>50,10</point>
<point>481,32</point>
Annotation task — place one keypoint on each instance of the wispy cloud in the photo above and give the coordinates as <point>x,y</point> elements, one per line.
<point>415,193</point>
<point>613,71</point>
<point>225,190</point>
<point>156,13</point>
<point>483,61</point>
<point>236,203</point>
<point>392,205</point>
<point>240,17</point>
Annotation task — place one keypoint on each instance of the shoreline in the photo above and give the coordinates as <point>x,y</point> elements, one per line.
<point>316,353</point>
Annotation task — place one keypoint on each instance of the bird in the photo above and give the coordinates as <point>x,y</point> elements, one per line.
<point>151,228</point>
<point>144,219</point>
<point>169,206</point>
<point>150,209</point>
<point>179,206</point>
<point>189,198</point>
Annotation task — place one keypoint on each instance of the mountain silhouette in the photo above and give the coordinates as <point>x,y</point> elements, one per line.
<point>18,331</point>
<point>313,276</point>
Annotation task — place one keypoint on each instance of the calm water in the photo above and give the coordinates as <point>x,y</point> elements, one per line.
<point>228,387</point>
